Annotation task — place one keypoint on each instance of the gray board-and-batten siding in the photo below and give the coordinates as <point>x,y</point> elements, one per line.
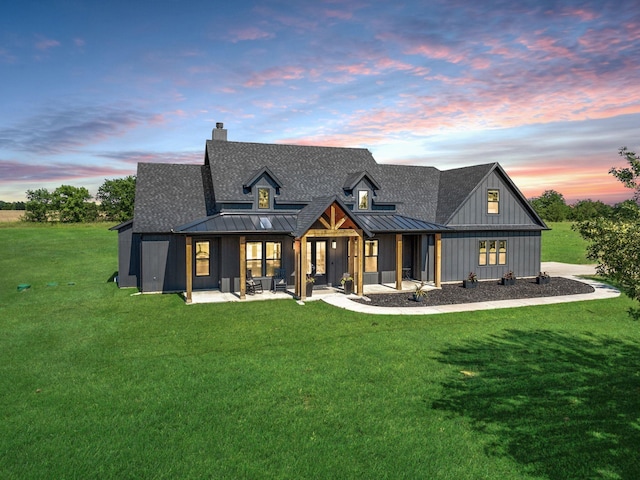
<point>460,254</point>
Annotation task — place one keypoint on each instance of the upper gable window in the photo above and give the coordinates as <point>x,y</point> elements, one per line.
<point>493,201</point>
<point>264,198</point>
<point>363,200</point>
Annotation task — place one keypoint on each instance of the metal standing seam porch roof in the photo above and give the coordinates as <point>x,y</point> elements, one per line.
<point>241,223</point>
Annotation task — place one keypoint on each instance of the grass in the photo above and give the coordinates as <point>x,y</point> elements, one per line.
<point>96,383</point>
<point>562,244</point>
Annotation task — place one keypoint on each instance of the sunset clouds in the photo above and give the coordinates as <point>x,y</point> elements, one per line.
<point>549,89</point>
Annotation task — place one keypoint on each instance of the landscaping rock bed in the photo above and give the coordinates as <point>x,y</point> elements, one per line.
<point>486,291</point>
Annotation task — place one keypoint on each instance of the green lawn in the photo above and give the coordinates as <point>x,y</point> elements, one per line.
<point>562,244</point>
<point>96,383</point>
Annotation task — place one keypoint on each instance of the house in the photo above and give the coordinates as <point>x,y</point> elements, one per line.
<point>252,208</point>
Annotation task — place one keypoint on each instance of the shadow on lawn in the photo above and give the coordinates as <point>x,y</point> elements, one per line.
<point>563,406</point>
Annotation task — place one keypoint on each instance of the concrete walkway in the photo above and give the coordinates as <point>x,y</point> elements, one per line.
<point>602,291</point>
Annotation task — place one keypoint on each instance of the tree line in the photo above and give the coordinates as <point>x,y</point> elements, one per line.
<point>11,205</point>
<point>552,207</point>
<point>69,204</point>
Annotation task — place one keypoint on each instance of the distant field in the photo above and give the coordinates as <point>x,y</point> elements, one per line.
<point>11,215</point>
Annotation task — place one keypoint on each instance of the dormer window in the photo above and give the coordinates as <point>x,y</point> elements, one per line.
<point>363,200</point>
<point>264,198</point>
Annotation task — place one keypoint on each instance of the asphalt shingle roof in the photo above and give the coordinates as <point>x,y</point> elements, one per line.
<point>305,172</point>
<point>169,196</point>
<point>456,185</point>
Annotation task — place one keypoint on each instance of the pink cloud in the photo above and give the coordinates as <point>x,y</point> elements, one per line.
<point>275,75</point>
<point>339,14</point>
<point>79,42</point>
<point>581,13</point>
<point>46,43</point>
<point>550,46</point>
<point>250,33</point>
<point>20,172</point>
<point>561,174</point>
<point>135,157</point>
<point>439,52</point>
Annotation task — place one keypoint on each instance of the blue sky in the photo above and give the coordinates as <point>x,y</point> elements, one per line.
<point>550,89</point>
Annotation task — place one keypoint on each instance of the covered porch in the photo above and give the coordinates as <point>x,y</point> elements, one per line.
<point>323,241</point>
<point>216,296</point>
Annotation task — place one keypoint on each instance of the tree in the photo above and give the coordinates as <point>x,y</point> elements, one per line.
<point>71,203</point>
<point>38,206</point>
<point>615,242</point>
<point>629,176</point>
<point>588,209</point>
<point>117,198</point>
<point>628,211</point>
<point>551,206</point>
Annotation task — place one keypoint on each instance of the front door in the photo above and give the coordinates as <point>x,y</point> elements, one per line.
<point>317,260</point>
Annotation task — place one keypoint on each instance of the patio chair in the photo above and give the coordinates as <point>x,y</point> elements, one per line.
<point>279,280</point>
<point>253,286</point>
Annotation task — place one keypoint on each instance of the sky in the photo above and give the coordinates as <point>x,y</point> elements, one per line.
<point>549,89</point>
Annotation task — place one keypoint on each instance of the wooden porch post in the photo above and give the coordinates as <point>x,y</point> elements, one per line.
<point>360,269</point>
<point>351,261</point>
<point>297,266</point>
<point>243,267</point>
<point>303,268</point>
<point>438,266</point>
<point>398,261</point>
<point>189,260</point>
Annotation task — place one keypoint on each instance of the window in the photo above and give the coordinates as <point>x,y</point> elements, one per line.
<point>274,257</point>
<point>363,200</point>
<point>492,252</point>
<point>371,256</point>
<point>263,198</point>
<point>493,201</point>
<point>254,258</point>
<point>482,259</point>
<point>502,252</point>
<point>202,259</point>
<point>264,265</point>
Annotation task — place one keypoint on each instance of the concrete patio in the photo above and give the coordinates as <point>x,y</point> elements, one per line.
<point>215,296</point>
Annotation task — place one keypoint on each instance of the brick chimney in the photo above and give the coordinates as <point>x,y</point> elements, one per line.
<point>219,133</point>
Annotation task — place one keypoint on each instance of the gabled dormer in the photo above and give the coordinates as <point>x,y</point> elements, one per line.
<point>263,185</point>
<point>362,188</point>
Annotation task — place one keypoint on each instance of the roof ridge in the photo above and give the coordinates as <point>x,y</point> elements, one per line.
<point>218,142</point>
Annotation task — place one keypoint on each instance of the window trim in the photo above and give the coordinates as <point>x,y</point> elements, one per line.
<point>259,200</point>
<point>276,261</point>
<point>203,259</point>
<point>368,256</point>
<point>493,203</point>
<point>363,194</point>
<point>489,258</point>
<point>265,262</point>
<point>259,258</point>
